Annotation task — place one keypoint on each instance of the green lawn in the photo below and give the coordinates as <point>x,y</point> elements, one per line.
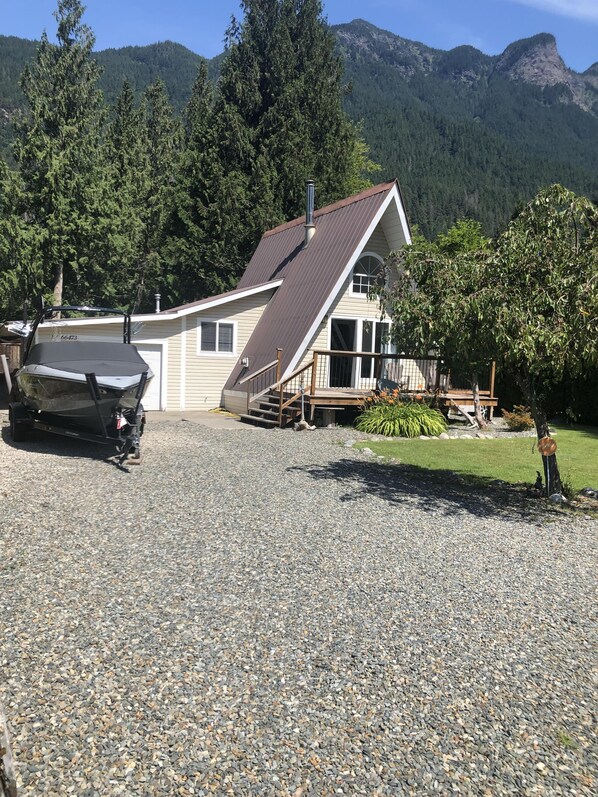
<point>512,460</point>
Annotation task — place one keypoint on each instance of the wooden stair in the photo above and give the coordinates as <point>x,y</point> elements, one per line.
<point>264,412</point>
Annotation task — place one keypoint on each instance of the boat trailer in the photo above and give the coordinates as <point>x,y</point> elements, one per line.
<point>124,430</point>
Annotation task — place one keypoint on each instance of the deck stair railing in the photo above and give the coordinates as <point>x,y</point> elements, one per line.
<point>297,384</point>
<point>260,382</point>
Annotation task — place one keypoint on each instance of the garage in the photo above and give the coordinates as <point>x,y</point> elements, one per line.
<point>152,354</point>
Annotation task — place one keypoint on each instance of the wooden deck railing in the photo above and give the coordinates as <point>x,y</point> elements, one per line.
<point>364,370</point>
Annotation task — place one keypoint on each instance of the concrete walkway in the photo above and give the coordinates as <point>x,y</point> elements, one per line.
<point>213,420</point>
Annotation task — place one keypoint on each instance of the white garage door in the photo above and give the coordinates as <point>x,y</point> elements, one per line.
<point>153,357</point>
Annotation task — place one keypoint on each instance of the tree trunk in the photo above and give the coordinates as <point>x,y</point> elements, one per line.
<point>552,477</point>
<point>477,407</point>
<point>58,282</point>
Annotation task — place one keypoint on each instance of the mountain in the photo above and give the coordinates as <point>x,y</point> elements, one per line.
<point>467,134</point>
<point>470,134</point>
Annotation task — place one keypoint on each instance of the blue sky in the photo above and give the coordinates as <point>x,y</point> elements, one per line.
<point>489,25</point>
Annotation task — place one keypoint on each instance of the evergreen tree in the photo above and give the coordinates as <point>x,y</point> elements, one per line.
<point>127,162</point>
<point>277,120</point>
<point>163,135</point>
<point>15,281</point>
<point>187,248</point>
<point>67,200</point>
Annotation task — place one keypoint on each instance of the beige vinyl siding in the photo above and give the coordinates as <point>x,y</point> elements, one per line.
<point>348,304</point>
<point>378,243</point>
<point>393,229</point>
<point>206,374</point>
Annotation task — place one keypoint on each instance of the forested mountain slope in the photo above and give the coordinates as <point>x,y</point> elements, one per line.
<point>467,134</point>
<point>470,134</point>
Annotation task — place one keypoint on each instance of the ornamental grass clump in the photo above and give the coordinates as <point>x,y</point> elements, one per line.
<point>387,414</point>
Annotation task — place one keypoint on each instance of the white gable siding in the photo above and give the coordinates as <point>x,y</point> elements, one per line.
<point>206,374</point>
<point>348,304</point>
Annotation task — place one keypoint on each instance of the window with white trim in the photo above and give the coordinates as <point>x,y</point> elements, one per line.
<point>368,274</point>
<point>216,337</point>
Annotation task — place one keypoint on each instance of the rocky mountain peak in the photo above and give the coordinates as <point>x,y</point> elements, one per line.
<point>537,61</point>
<point>361,40</point>
<point>534,60</point>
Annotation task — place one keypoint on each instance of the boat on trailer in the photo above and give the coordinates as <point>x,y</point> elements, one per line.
<point>85,389</point>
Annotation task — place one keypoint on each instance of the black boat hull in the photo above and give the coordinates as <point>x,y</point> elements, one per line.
<point>70,401</point>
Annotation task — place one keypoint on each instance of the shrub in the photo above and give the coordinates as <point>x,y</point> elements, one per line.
<point>394,418</point>
<point>520,420</point>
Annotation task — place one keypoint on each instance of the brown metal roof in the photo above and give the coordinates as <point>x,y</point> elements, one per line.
<point>309,275</point>
<point>227,296</point>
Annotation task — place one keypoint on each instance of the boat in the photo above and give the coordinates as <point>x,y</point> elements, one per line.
<point>87,389</point>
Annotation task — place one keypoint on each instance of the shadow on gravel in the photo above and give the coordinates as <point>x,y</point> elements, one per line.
<point>434,491</point>
<point>59,446</point>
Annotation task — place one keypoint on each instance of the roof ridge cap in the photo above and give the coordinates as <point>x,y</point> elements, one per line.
<point>334,206</point>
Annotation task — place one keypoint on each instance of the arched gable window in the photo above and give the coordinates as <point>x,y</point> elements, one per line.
<point>367,274</point>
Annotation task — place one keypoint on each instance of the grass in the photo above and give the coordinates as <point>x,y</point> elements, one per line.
<point>512,460</point>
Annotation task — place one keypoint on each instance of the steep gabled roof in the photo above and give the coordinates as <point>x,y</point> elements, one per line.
<point>311,276</point>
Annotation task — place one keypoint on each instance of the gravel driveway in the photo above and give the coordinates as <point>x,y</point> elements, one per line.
<point>270,613</point>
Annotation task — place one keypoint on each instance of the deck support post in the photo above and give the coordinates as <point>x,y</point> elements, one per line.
<point>280,402</point>
<point>278,364</point>
<point>492,378</point>
<point>314,374</point>
<point>377,368</point>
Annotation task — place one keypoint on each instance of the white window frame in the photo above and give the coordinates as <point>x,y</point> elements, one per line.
<point>217,321</point>
<point>352,290</point>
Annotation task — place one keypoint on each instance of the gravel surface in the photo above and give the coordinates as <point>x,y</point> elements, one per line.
<point>271,613</point>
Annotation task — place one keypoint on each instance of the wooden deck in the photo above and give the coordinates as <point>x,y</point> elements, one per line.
<point>322,383</point>
<point>342,398</point>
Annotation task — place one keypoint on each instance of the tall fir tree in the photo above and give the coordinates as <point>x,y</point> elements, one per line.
<point>277,120</point>
<point>66,197</point>
<point>128,165</point>
<point>164,139</point>
<point>186,247</point>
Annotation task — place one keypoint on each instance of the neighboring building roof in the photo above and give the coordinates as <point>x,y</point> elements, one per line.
<point>312,276</point>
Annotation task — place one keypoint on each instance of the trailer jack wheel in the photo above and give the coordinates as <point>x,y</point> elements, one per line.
<point>18,420</point>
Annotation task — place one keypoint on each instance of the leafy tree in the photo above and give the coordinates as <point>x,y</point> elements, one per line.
<point>530,301</point>
<point>435,299</point>
<point>542,300</point>
<point>66,197</point>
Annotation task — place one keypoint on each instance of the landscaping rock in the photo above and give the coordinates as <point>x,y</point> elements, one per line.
<point>444,436</point>
<point>558,498</point>
<point>589,492</point>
